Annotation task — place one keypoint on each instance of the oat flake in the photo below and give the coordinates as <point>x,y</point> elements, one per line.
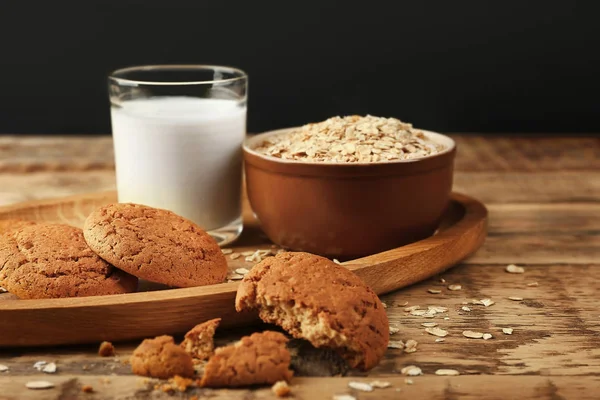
<point>487,302</point>
<point>343,397</point>
<point>440,340</point>
<point>411,370</point>
<point>533,284</point>
<point>393,330</point>
<point>395,344</point>
<point>436,332</point>
<point>408,381</point>
<point>235,256</point>
<point>472,334</point>
<point>513,269</point>
<point>380,384</point>
<point>49,368</point>
<point>242,271</point>
<point>507,331</point>
<point>515,298</point>
<point>465,308</point>
<point>410,346</point>
<point>3,368</point>
<point>447,372</point>
<point>335,260</point>
<point>39,385</point>
<point>235,277</point>
<point>412,308</point>
<point>39,365</point>
<point>226,251</point>
<point>454,287</point>
<point>434,291</point>
<point>363,387</point>
<point>487,336</point>
<point>429,324</point>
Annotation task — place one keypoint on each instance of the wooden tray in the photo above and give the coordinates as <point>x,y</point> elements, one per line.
<point>172,311</point>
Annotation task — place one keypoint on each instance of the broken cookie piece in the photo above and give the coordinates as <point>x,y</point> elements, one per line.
<point>161,358</point>
<point>261,358</point>
<point>198,341</point>
<point>313,298</point>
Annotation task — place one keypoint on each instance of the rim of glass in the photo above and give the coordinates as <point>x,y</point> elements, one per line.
<point>114,74</point>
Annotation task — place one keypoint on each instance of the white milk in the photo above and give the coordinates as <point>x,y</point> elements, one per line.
<point>183,154</point>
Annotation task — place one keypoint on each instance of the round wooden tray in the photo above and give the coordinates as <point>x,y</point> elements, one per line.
<point>173,311</point>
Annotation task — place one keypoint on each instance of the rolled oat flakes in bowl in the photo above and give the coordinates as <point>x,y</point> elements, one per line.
<point>349,186</point>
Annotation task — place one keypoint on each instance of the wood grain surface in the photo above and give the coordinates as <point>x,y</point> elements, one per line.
<point>543,195</point>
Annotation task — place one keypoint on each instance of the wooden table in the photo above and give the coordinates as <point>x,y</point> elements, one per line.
<point>543,194</point>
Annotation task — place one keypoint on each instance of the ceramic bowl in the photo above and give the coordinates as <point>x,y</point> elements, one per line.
<point>348,210</point>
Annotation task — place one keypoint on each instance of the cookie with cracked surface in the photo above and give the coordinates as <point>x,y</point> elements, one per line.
<point>199,342</point>
<point>156,245</point>
<point>11,225</point>
<point>52,260</point>
<point>261,358</point>
<point>161,358</point>
<point>318,300</point>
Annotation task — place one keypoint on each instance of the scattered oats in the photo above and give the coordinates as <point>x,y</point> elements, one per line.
<point>436,332</point>
<point>395,344</point>
<point>393,330</point>
<point>533,284</point>
<point>440,340</point>
<point>515,298</point>
<point>248,253</point>
<point>226,251</point>
<point>429,324</point>
<point>343,397</point>
<point>235,256</point>
<point>335,260</point>
<point>447,372</point>
<point>39,385</point>
<point>242,271</point>
<point>49,368</point>
<point>454,287</point>
<point>434,291</point>
<point>472,335</point>
<point>507,331</point>
<point>3,368</point>
<point>408,381</point>
<point>258,255</point>
<point>487,302</point>
<point>465,308</point>
<point>513,269</point>
<point>410,346</point>
<point>412,308</point>
<point>442,280</point>
<point>235,277</point>
<point>411,370</point>
<point>487,336</point>
<point>384,304</point>
<point>363,387</point>
<point>39,365</point>
<point>380,384</point>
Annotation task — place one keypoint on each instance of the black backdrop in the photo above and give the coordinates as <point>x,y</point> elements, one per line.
<point>485,66</point>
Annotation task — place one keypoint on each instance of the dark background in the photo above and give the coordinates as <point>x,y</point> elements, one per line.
<point>476,66</point>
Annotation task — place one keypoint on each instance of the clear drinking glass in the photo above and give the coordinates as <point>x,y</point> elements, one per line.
<point>178,133</point>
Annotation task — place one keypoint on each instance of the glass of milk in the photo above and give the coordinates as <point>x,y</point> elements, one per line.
<point>178,133</point>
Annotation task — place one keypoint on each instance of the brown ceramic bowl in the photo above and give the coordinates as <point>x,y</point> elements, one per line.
<point>348,210</point>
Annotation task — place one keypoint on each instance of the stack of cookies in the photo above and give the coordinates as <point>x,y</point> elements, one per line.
<point>118,244</point>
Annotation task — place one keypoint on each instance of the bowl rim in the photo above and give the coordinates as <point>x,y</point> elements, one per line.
<point>249,141</point>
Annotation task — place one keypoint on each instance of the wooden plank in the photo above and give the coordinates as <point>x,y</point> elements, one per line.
<point>423,387</point>
<point>541,234</point>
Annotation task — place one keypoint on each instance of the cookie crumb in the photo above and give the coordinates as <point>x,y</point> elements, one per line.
<point>87,389</point>
<point>199,342</point>
<point>106,349</point>
<point>281,389</point>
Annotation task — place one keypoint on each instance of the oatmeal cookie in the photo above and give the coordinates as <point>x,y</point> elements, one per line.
<point>318,300</point>
<point>52,260</point>
<point>156,245</point>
